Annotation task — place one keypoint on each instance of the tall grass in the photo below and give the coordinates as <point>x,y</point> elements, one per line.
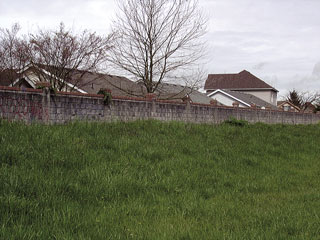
<point>154,180</point>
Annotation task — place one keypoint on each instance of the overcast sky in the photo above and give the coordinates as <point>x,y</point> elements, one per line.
<point>276,40</point>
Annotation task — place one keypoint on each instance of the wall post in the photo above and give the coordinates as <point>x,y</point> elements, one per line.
<point>151,97</point>
<point>235,105</point>
<point>46,100</point>
<point>187,113</point>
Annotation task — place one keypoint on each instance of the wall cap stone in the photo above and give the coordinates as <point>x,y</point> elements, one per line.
<point>214,102</point>
<point>151,96</point>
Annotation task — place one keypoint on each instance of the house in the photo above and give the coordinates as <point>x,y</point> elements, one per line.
<point>287,106</point>
<point>309,107</point>
<point>244,82</point>
<point>240,99</point>
<point>91,83</point>
<point>79,81</point>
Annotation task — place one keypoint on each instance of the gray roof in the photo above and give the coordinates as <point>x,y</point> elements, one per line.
<point>92,82</point>
<point>250,99</point>
<point>119,86</point>
<point>178,92</point>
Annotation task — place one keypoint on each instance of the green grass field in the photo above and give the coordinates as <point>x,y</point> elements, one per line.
<point>154,180</point>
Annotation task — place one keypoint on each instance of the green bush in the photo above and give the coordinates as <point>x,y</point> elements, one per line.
<point>234,122</point>
<point>107,97</point>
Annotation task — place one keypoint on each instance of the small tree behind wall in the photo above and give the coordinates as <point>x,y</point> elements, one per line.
<point>63,53</point>
<point>55,55</point>
<point>13,53</point>
<point>304,100</point>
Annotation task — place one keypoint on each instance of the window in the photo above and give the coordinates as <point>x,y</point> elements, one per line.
<point>286,108</point>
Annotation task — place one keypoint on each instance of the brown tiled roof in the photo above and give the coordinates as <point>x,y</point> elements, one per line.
<point>242,80</point>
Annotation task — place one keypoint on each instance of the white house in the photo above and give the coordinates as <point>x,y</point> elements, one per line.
<point>231,98</point>
<point>244,82</point>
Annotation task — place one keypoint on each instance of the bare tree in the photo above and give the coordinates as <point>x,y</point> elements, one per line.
<point>13,53</point>
<point>304,100</point>
<point>62,56</point>
<point>309,100</point>
<point>158,41</point>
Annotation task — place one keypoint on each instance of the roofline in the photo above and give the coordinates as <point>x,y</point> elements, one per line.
<point>229,95</point>
<point>67,83</point>
<point>15,82</point>
<point>248,89</point>
<point>220,74</point>
<point>26,79</point>
<point>25,69</point>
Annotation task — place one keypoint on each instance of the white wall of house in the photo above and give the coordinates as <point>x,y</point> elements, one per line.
<point>34,78</point>
<point>266,95</point>
<point>226,100</point>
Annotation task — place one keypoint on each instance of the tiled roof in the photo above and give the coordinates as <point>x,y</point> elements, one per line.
<point>178,92</point>
<point>242,80</point>
<point>121,86</point>
<point>91,83</point>
<point>250,99</point>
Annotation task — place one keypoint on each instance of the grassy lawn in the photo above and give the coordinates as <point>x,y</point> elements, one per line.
<point>154,180</point>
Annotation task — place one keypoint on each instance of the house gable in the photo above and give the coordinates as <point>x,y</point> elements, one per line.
<point>240,81</point>
<point>29,78</point>
<point>287,106</point>
<point>227,99</point>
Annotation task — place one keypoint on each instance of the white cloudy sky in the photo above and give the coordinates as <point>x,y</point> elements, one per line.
<point>276,40</point>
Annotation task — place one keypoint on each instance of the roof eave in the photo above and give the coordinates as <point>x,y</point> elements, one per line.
<point>246,89</point>
<point>229,95</point>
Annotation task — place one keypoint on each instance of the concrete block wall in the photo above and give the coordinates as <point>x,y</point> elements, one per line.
<point>42,106</point>
<point>28,106</point>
